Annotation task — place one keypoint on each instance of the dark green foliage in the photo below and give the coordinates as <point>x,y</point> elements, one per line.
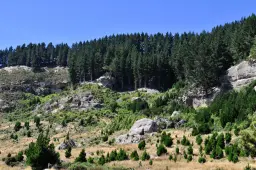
<point>185,141</point>
<point>190,157</point>
<point>190,150</point>
<point>236,131</point>
<point>26,125</point>
<point>199,139</point>
<point>201,160</point>
<point>228,137</point>
<point>219,152</point>
<point>113,155</point>
<point>104,138</point>
<point>41,153</point>
<point>177,150</point>
<point>134,155</point>
<point>185,155</point>
<point>19,156</point>
<point>220,141</point>
<point>81,123</point>
<point>232,151</point>
<point>102,160</point>
<point>201,150</point>
<point>17,126</point>
<point>113,106</point>
<point>81,157</point>
<point>166,139</point>
<point>14,136</point>
<point>170,157</point>
<point>121,155</point>
<point>68,152</point>
<point>161,150</point>
<point>145,156</point>
<point>175,158</point>
<point>150,162</point>
<point>142,145</point>
<point>37,121</point>
<point>90,160</point>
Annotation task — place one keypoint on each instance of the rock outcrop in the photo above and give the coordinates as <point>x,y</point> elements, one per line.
<point>241,74</point>
<point>68,143</point>
<point>138,131</point>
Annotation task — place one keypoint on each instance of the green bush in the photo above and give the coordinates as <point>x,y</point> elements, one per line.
<point>19,157</point>
<point>185,141</point>
<point>199,139</point>
<point>150,162</point>
<point>166,140</point>
<point>177,150</point>
<point>41,153</point>
<point>228,137</point>
<point>121,155</point>
<point>161,150</point>
<point>145,156</point>
<point>29,134</point>
<point>190,158</point>
<point>201,160</point>
<point>17,126</point>
<point>142,145</point>
<point>90,160</point>
<point>68,152</point>
<point>221,141</point>
<point>105,138</point>
<point>185,155</point>
<point>236,131</point>
<point>26,125</point>
<point>102,160</point>
<point>113,155</point>
<point>134,155</point>
<point>190,150</point>
<point>37,121</point>
<point>81,157</point>
<point>170,157</point>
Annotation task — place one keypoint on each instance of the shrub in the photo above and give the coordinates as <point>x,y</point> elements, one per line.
<point>190,150</point>
<point>134,155</point>
<point>105,138</point>
<point>145,156</point>
<point>17,126</point>
<point>166,140</point>
<point>121,155</point>
<point>161,150</point>
<point>68,152</point>
<point>81,157</point>
<point>185,141</point>
<point>170,157</point>
<point>201,149</point>
<point>26,125</point>
<point>185,155</point>
<point>199,139</point>
<point>190,158</point>
<point>150,162</point>
<point>14,136</point>
<point>175,158</point>
<point>201,160</point>
<point>228,137</point>
<point>177,150</point>
<point>220,141</point>
<point>90,160</point>
<point>142,145</point>
<point>19,156</point>
<point>37,121</point>
<point>81,123</point>
<point>248,167</point>
<point>41,153</point>
<point>29,134</point>
<point>102,160</point>
<point>236,131</point>
<point>219,152</point>
<point>113,155</point>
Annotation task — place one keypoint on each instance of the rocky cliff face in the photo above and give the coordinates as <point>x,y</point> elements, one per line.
<point>241,74</point>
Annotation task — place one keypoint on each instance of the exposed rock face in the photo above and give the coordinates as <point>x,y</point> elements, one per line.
<point>106,81</point>
<point>69,143</point>
<point>143,126</point>
<point>23,79</point>
<point>77,102</point>
<point>4,106</point>
<point>241,74</point>
<point>164,123</point>
<point>138,131</point>
<point>129,138</point>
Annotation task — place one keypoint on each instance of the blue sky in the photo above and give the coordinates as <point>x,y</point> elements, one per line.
<point>78,20</point>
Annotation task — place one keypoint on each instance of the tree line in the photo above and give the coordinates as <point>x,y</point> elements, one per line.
<point>146,60</point>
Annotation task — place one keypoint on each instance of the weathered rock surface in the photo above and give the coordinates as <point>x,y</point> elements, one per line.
<point>77,102</point>
<point>68,143</point>
<point>241,74</point>
<point>138,131</point>
<point>163,123</point>
<point>143,126</point>
<point>106,81</point>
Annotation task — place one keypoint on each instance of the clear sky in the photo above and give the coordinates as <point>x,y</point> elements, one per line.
<point>24,21</point>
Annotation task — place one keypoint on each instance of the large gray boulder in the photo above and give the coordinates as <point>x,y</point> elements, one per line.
<point>143,126</point>
<point>68,143</point>
<point>129,138</point>
<point>106,81</point>
<point>241,74</point>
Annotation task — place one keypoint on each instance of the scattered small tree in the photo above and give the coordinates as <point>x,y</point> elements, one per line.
<point>17,126</point>
<point>145,156</point>
<point>150,162</point>
<point>142,145</point>
<point>102,160</point>
<point>81,157</point>
<point>228,137</point>
<point>161,150</point>
<point>68,152</point>
<point>177,150</point>
<point>26,125</point>
<point>134,155</point>
<point>121,155</point>
<point>199,139</point>
<point>37,121</point>
<point>190,150</point>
